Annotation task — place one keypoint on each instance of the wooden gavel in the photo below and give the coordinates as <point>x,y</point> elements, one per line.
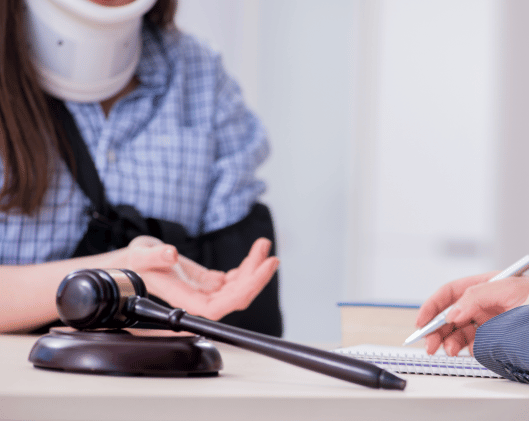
<point>117,298</point>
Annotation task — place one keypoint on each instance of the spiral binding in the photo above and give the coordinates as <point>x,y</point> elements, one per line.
<point>441,365</point>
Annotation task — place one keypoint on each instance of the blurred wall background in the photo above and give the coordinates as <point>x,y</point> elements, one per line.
<point>398,141</point>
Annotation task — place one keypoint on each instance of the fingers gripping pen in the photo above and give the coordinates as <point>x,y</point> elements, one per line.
<point>516,269</point>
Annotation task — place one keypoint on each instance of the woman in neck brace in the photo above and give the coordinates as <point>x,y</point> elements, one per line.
<point>168,134</point>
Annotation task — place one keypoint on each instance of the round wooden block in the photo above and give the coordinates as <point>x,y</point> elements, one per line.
<point>122,352</point>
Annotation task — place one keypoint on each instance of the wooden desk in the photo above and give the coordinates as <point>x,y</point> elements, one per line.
<point>251,387</point>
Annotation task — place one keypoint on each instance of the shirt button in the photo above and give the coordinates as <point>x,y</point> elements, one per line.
<point>111,156</point>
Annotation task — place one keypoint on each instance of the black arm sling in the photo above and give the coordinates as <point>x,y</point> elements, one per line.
<point>112,227</point>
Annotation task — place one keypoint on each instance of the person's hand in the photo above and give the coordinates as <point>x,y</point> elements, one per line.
<point>474,302</point>
<point>155,262</point>
<point>197,276</point>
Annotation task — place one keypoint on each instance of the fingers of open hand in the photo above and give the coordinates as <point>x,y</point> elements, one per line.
<point>197,276</point>
<point>241,291</point>
<point>234,295</point>
<point>145,241</point>
<point>242,284</point>
<point>257,255</point>
<point>212,281</point>
<point>150,253</point>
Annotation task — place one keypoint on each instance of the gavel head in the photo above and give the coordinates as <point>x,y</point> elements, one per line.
<point>96,298</point>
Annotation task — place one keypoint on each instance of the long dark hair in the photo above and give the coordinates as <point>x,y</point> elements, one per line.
<point>31,139</point>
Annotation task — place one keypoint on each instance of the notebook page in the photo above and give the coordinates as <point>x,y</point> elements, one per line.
<point>417,361</point>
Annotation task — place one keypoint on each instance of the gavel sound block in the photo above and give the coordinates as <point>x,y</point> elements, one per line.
<point>123,352</point>
<point>91,300</point>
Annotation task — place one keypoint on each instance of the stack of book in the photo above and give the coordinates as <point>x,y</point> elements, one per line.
<point>377,323</point>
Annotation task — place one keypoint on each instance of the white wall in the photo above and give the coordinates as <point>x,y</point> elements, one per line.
<point>425,205</point>
<point>382,120</point>
<point>513,133</point>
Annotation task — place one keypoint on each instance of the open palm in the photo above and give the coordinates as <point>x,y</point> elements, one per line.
<point>207,293</point>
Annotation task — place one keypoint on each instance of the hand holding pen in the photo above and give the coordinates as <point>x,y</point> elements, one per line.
<point>461,306</point>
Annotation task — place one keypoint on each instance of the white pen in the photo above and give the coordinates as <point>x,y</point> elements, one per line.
<point>516,269</point>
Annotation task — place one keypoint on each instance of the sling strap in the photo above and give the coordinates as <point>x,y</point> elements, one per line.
<point>110,226</point>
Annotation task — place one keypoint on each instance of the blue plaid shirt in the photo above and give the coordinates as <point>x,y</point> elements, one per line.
<point>181,147</point>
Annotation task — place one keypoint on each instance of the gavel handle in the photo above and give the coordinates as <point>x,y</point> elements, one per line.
<point>324,362</point>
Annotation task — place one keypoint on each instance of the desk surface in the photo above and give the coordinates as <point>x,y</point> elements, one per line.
<point>250,387</point>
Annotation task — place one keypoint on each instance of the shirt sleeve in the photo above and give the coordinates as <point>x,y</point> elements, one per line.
<point>241,146</point>
<point>501,344</point>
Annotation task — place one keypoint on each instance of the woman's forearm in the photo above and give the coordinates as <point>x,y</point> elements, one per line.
<point>27,293</point>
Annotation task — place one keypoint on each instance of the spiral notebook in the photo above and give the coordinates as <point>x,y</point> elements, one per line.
<point>417,361</point>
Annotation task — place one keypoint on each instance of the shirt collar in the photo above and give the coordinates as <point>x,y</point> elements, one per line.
<point>154,70</point>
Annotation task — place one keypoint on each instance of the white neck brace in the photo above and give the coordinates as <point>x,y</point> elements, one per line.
<point>84,51</point>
